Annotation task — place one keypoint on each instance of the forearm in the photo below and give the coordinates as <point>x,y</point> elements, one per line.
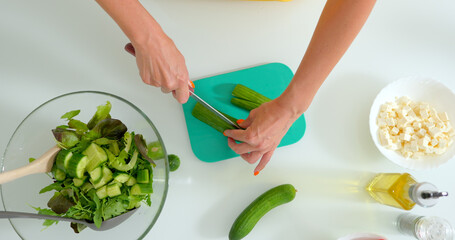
<point>339,24</point>
<point>132,18</point>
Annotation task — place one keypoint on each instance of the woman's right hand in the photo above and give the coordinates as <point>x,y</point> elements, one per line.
<point>162,65</point>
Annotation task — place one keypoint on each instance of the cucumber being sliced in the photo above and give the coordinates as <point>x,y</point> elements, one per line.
<point>143,176</point>
<point>76,165</point>
<point>62,158</point>
<point>96,156</point>
<point>121,177</point>
<point>113,189</point>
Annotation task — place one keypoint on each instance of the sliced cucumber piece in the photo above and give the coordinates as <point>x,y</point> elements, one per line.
<point>76,165</point>
<point>62,158</point>
<point>96,174</point>
<point>113,189</point>
<point>59,175</point>
<point>142,188</point>
<point>96,156</point>
<point>86,187</point>
<point>79,181</point>
<point>107,177</point>
<point>143,176</point>
<point>131,181</point>
<point>121,177</point>
<point>101,192</point>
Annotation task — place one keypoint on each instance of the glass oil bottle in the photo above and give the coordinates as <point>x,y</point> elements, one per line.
<point>402,191</point>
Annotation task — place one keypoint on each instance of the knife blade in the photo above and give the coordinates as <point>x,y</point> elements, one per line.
<point>212,109</point>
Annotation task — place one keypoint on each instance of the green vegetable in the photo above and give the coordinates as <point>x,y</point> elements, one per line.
<point>95,173</point>
<point>75,167</point>
<point>251,99</point>
<point>274,197</point>
<point>96,156</point>
<point>245,104</point>
<point>65,138</point>
<point>211,119</point>
<point>174,162</point>
<point>102,112</point>
<point>69,115</point>
<point>155,150</point>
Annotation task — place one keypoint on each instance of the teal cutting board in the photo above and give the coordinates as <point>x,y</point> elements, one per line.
<point>270,80</point>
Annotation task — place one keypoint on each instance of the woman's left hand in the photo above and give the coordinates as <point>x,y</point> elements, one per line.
<point>264,129</point>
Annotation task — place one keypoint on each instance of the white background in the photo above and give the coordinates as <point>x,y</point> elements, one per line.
<point>48,48</point>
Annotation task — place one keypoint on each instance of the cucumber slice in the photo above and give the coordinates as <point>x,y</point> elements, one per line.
<point>62,158</point>
<point>96,174</point>
<point>96,156</point>
<point>121,177</point>
<point>59,175</point>
<point>79,181</point>
<point>143,176</point>
<point>142,188</point>
<point>76,165</point>
<point>102,192</point>
<point>131,181</point>
<point>86,187</point>
<point>155,150</point>
<point>113,189</point>
<point>106,177</point>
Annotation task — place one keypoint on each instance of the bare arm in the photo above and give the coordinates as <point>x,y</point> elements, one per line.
<point>339,24</point>
<point>159,61</point>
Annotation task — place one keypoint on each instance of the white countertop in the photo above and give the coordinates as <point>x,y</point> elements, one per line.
<point>48,48</point>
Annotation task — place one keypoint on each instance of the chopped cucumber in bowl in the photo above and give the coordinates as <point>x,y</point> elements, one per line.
<point>94,176</point>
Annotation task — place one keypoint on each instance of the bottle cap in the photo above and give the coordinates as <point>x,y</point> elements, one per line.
<point>425,194</point>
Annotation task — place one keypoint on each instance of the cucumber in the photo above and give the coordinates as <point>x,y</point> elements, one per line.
<point>96,174</point>
<point>121,177</point>
<point>79,181</point>
<point>243,92</point>
<point>106,177</point>
<point>208,117</point>
<point>155,150</point>
<point>131,181</point>
<point>59,175</point>
<point>86,187</point>
<point>76,165</point>
<point>62,159</point>
<point>101,192</point>
<point>142,188</point>
<point>245,104</point>
<point>113,189</point>
<point>96,156</point>
<point>246,221</point>
<point>143,176</point>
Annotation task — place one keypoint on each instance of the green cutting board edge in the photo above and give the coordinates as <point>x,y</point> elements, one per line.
<point>270,80</point>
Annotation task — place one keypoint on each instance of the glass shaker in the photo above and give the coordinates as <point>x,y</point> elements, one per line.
<point>425,228</point>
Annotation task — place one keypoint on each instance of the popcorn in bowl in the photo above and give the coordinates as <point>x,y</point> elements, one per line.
<point>415,129</point>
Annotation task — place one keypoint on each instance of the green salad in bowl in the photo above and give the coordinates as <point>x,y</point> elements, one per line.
<point>112,160</point>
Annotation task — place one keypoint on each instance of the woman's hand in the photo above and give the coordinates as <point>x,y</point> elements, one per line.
<point>162,65</point>
<point>264,129</point>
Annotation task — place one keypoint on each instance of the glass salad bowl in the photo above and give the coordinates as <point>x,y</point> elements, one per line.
<point>33,137</point>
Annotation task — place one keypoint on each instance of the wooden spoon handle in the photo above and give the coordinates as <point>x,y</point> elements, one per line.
<point>41,165</point>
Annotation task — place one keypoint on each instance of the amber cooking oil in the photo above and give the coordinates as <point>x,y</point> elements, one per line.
<point>392,189</point>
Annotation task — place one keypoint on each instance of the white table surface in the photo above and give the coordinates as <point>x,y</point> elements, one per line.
<point>48,48</point>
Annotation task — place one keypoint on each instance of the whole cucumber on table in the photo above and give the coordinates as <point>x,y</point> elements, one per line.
<point>246,221</point>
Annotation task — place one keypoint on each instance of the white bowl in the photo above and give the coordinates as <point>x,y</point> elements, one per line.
<point>418,89</point>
